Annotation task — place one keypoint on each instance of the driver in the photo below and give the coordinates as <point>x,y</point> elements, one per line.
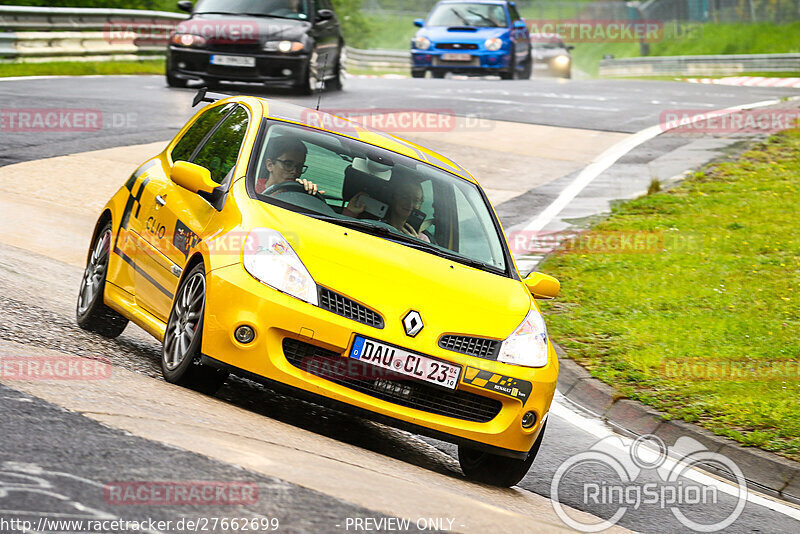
<point>286,161</point>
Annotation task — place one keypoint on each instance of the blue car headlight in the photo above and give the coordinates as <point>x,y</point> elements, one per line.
<point>423,43</point>
<point>493,45</point>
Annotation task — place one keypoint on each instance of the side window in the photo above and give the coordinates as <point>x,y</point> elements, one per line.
<point>221,151</point>
<point>197,132</point>
<point>512,10</point>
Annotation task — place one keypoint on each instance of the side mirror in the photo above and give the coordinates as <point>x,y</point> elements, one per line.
<point>419,23</point>
<point>570,47</point>
<point>542,286</point>
<point>193,177</point>
<point>324,14</point>
<point>519,25</point>
<point>186,5</point>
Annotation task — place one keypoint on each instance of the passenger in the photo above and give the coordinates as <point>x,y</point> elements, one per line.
<point>406,196</point>
<point>286,161</point>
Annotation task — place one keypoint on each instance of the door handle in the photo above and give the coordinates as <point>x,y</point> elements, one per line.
<point>161,201</point>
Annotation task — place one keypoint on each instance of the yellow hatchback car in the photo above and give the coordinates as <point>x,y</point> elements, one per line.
<point>350,267</point>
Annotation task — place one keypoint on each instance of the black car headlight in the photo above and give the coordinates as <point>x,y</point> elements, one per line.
<point>188,39</point>
<point>285,47</point>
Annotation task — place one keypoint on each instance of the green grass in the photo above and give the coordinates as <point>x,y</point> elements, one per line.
<point>721,288</point>
<point>80,68</point>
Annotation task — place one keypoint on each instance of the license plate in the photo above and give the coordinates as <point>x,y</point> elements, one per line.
<point>457,57</point>
<point>233,61</point>
<point>406,363</point>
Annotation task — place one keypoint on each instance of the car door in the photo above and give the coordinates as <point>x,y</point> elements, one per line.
<point>519,33</point>
<point>326,35</point>
<point>175,218</point>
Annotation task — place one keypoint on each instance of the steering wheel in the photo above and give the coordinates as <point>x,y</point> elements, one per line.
<point>290,186</point>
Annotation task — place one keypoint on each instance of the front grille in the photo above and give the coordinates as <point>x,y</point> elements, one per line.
<point>473,346</point>
<point>457,46</point>
<point>389,386</point>
<point>341,305</point>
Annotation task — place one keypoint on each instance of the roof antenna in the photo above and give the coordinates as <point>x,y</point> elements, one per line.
<point>321,86</point>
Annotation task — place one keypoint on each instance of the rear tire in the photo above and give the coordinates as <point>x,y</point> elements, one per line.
<point>91,312</point>
<point>496,470</point>
<point>439,74</point>
<point>180,352</point>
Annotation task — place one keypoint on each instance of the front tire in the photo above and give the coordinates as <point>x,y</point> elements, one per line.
<point>337,82</point>
<point>91,312</point>
<point>310,82</point>
<point>417,73</point>
<point>180,352</point>
<point>497,470</point>
<point>174,81</point>
<point>512,67</point>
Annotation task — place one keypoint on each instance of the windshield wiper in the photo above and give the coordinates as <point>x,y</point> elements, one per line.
<point>487,19</point>
<point>394,235</point>
<point>459,15</point>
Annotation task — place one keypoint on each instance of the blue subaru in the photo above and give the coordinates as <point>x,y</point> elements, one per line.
<point>472,37</point>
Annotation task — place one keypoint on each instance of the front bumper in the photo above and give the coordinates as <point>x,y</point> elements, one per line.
<point>271,68</point>
<point>480,60</point>
<point>291,333</point>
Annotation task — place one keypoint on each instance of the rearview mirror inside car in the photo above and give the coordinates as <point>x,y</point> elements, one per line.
<point>542,286</point>
<point>419,23</point>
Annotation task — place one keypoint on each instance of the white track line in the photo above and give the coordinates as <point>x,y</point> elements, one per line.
<point>594,426</point>
<point>606,160</point>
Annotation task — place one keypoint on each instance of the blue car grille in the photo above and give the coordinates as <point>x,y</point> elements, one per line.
<point>457,46</point>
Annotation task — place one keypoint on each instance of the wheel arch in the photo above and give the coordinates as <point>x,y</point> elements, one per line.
<point>104,219</point>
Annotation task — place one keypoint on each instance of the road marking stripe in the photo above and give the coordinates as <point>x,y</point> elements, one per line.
<point>594,425</point>
<point>606,160</point>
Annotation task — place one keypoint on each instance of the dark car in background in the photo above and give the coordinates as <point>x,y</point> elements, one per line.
<point>551,55</point>
<point>475,37</point>
<point>294,43</point>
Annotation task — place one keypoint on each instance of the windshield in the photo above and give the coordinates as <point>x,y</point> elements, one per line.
<point>378,192</point>
<point>468,14</point>
<point>293,9</point>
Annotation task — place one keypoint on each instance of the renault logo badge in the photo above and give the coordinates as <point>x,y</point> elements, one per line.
<point>412,323</point>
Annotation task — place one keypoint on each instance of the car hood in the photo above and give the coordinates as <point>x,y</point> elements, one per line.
<point>223,28</point>
<point>393,279</point>
<point>549,53</point>
<point>461,34</point>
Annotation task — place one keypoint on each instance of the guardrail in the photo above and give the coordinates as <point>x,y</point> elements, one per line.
<point>699,65</point>
<point>38,34</point>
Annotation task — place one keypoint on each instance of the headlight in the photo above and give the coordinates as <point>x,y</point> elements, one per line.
<point>561,61</point>
<point>283,46</point>
<point>423,43</point>
<point>493,44</point>
<point>528,344</point>
<point>188,39</point>
<point>271,260</point>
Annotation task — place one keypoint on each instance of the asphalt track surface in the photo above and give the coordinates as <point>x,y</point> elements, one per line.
<point>43,440</point>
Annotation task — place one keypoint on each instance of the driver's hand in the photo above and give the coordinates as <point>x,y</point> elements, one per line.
<point>409,230</point>
<point>356,206</point>
<point>310,187</point>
